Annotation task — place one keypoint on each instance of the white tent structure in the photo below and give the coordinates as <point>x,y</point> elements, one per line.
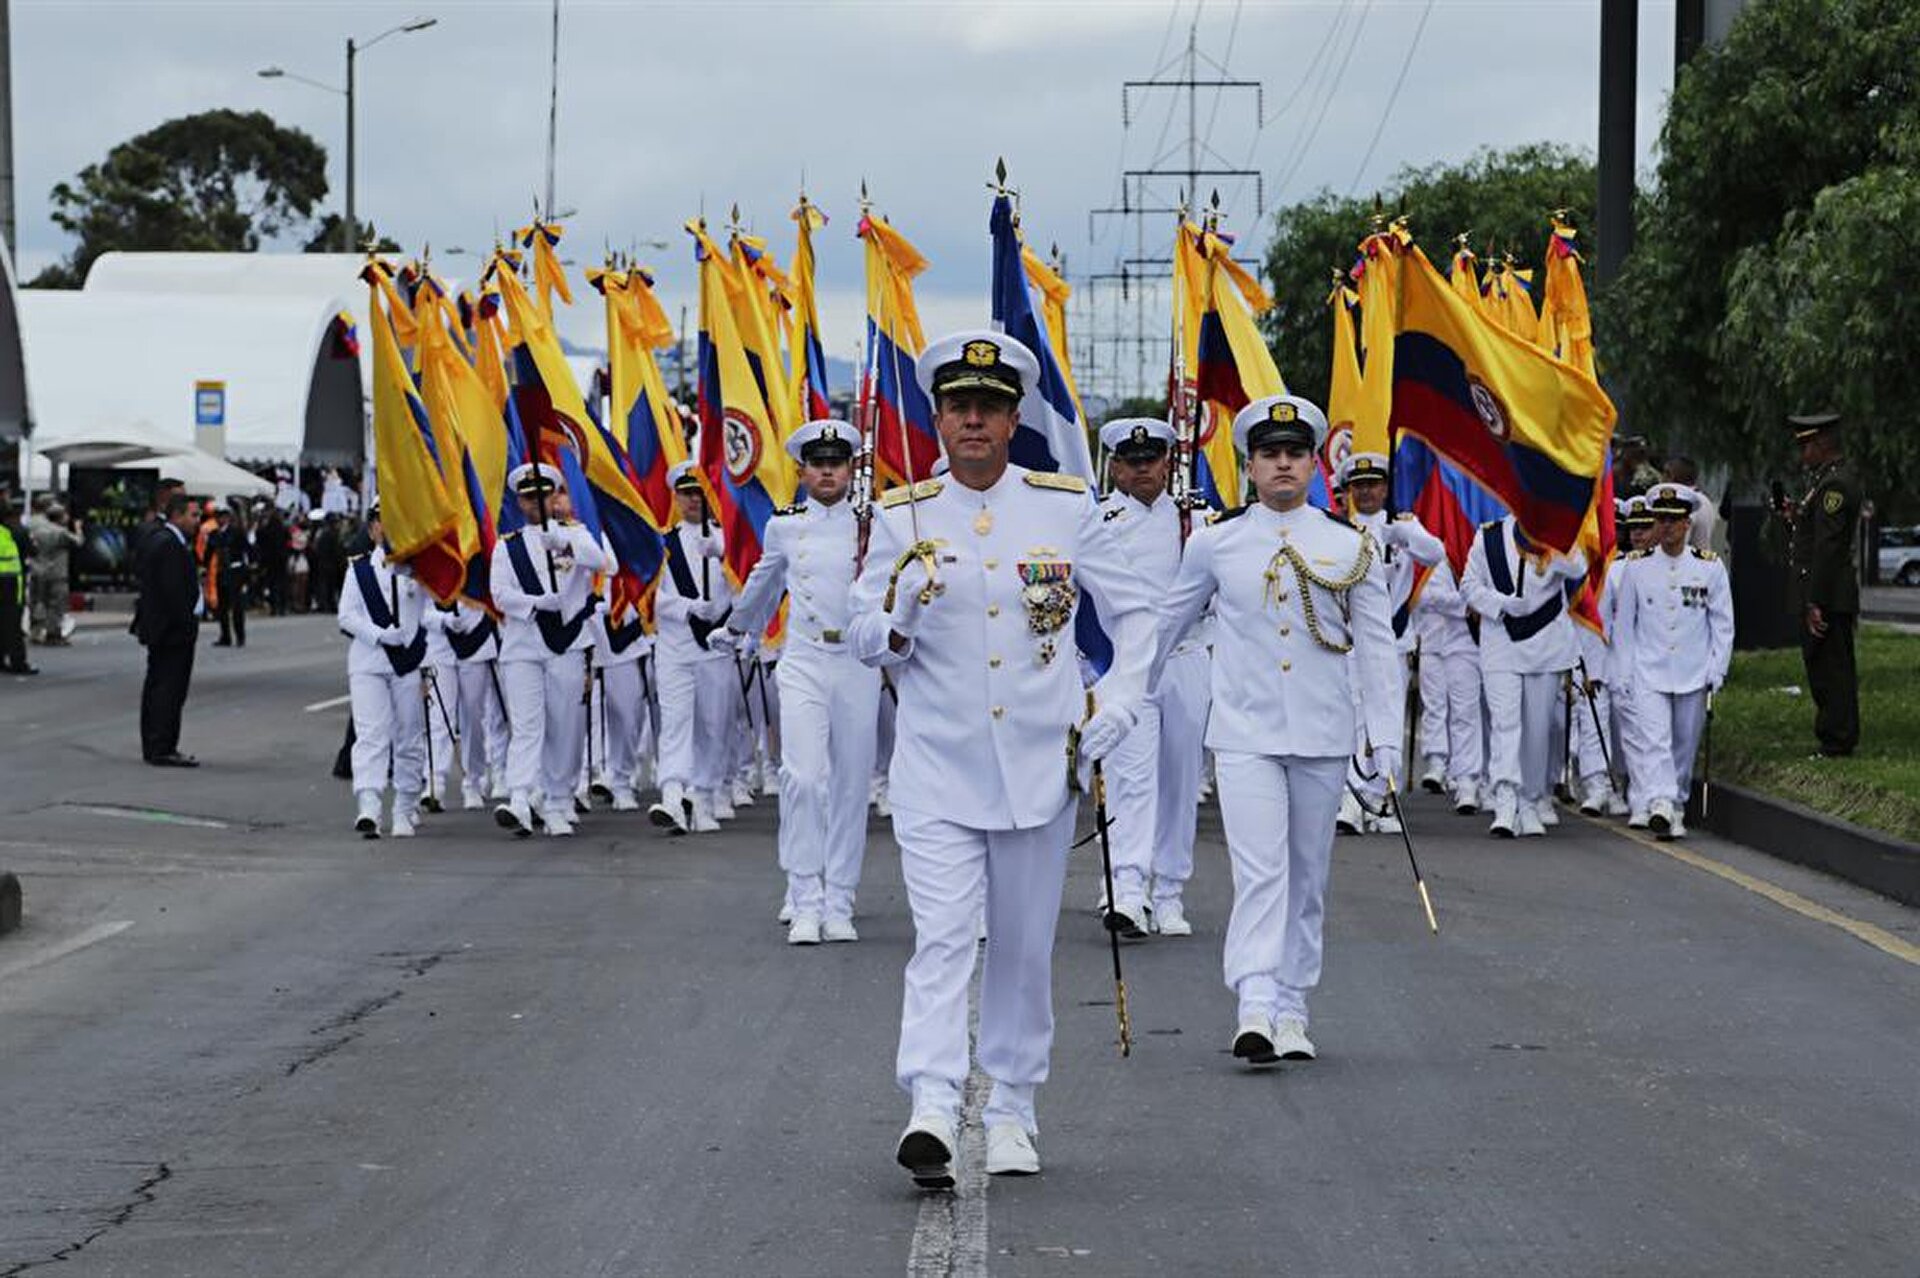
<point>15,418</point>
<point>99,362</point>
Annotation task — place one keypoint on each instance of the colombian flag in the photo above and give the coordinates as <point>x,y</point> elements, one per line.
<point>1530,429</point>
<point>904,443</point>
<point>419,514</point>
<point>808,369</point>
<point>466,426</point>
<point>1567,329</point>
<point>642,417</point>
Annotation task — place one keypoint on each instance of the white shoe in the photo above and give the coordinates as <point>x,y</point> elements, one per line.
<point>1290,1039</point>
<point>472,800</point>
<point>1129,919</point>
<point>601,789</point>
<point>1433,780</point>
<point>1679,828</point>
<point>770,782</point>
<point>704,817</point>
<point>516,816</point>
<point>1505,814</point>
<point>559,820</point>
<point>1547,812</point>
<point>1638,819</point>
<point>722,804</point>
<point>1593,799</point>
<point>1170,919</point>
<point>1350,819</point>
<point>1253,1040</point>
<point>1530,825</point>
<point>1616,804</point>
<point>1010,1151</point>
<point>497,786</point>
<point>786,912</point>
<point>804,931</point>
<point>1660,818</point>
<point>1466,798</point>
<point>838,930</point>
<point>670,813</point>
<point>926,1150</point>
<point>1386,823</point>
<point>742,793</point>
<point>623,801</point>
<point>367,814</point>
<point>402,825</point>
<point>883,806</point>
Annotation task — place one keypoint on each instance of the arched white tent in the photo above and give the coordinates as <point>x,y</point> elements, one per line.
<point>98,362</point>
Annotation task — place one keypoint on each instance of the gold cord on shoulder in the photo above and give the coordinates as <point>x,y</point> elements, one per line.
<point>1305,577</point>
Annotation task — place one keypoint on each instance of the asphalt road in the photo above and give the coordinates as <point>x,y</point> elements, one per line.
<point>237,1039</point>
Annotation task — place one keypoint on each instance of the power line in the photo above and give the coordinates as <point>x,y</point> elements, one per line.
<point>1393,97</point>
<point>1326,99</point>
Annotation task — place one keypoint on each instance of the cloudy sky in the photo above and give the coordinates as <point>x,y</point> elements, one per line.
<point>665,107</point>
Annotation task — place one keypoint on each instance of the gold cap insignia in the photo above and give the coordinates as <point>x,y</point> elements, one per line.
<point>981,354</point>
<point>829,434</point>
<point>1283,412</point>
<point>1140,436</point>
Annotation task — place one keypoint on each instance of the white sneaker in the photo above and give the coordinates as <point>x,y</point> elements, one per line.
<point>516,816</point>
<point>1170,919</point>
<point>1679,828</point>
<point>367,814</point>
<point>770,782</point>
<point>1660,818</point>
<point>883,806</point>
<point>1290,1039</point>
<point>1505,814</point>
<point>401,826</point>
<point>1638,819</point>
<point>742,793</point>
<point>1616,803</point>
<point>601,789</point>
<point>1466,798</point>
<point>838,930</point>
<point>1129,919</point>
<point>1547,811</point>
<point>1433,779</point>
<point>1530,826</point>
<point>623,801</point>
<point>720,803</point>
<point>1010,1151</point>
<point>471,799</point>
<point>1349,819</point>
<point>1386,823</point>
<point>1253,1040</point>
<point>670,813</point>
<point>926,1150</point>
<point>804,931</point>
<point>1593,799</point>
<point>786,912</point>
<point>704,820</point>
<point>559,819</point>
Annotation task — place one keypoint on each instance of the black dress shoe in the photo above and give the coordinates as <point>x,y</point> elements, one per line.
<point>22,670</point>
<point>175,760</point>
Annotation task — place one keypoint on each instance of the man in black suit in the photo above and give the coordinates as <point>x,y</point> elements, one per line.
<point>167,624</point>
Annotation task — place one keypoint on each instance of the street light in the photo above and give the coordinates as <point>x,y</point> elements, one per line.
<point>351,225</point>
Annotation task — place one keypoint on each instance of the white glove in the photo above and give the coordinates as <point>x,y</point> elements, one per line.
<point>1105,730</point>
<point>907,608</point>
<point>1386,762</point>
<point>723,639</point>
<point>393,637</point>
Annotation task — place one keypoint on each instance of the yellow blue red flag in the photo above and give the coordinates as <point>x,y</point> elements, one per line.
<point>895,413</point>
<point>808,375</point>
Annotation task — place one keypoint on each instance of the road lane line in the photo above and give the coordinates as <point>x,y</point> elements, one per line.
<point>328,704</point>
<point>78,941</point>
<point>950,1231</point>
<point>1878,937</point>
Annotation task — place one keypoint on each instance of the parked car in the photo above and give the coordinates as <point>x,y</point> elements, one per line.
<point>1900,555</point>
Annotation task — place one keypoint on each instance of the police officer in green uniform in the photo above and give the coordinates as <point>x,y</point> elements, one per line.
<point>1826,581</point>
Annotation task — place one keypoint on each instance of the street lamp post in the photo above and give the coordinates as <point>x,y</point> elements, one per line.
<point>350,225</point>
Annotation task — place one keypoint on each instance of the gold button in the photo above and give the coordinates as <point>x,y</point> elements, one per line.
<point>993,610</point>
<point>992,563</point>
<point>1280,595</point>
<point>1285,631</point>
<point>999,712</point>
<point>1286,665</point>
<point>993,663</point>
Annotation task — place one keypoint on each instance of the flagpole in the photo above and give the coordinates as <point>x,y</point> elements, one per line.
<point>1179,406</point>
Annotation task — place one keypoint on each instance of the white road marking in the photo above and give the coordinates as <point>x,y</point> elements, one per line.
<point>950,1233</point>
<point>328,704</point>
<point>149,814</point>
<point>78,941</point>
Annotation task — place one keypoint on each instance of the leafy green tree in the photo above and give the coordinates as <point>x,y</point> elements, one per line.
<point>1502,198</point>
<point>216,181</point>
<point>1772,268</point>
<point>326,238</point>
<point>1138,406</point>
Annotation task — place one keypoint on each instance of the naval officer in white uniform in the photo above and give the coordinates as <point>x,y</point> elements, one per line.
<point>828,697</point>
<point>1304,664</point>
<point>380,610</point>
<point>1673,625</point>
<point>698,688</point>
<point>967,599</point>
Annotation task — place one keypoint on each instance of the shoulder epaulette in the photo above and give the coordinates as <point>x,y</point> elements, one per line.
<point>794,509</point>
<point>1055,481</point>
<point>1221,517</point>
<point>1112,513</point>
<point>356,558</point>
<point>902,494</point>
<point>1707,555</point>
<point>1638,554</point>
<point>1493,523</point>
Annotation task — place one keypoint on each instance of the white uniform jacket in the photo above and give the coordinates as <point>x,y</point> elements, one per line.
<point>470,631</point>
<point>541,622</point>
<point>1673,620</point>
<point>988,685</point>
<point>1407,546</point>
<point>679,601</point>
<point>808,552</point>
<point>1150,536</point>
<point>1277,689</point>
<point>1522,602</point>
<point>376,601</point>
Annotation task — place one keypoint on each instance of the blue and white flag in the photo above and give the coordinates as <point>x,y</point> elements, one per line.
<point>1051,435</point>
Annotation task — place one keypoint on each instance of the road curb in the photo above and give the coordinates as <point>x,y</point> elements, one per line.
<point>10,902</point>
<point>1791,832</point>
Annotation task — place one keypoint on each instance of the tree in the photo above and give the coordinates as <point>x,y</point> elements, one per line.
<point>216,181</point>
<point>1501,197</point>
<point>326,238</point>
<point>1772,265</point>
<point>1138,406</point>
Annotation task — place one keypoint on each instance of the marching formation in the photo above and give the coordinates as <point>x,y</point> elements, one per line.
<point>937,600</point>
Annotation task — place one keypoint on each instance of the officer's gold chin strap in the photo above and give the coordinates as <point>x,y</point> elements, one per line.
<point>927,551</point>
<point>1337,586</point>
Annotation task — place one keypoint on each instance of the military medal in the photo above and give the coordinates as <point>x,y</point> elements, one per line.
<point>983,522</point>
<point>1047,593</point>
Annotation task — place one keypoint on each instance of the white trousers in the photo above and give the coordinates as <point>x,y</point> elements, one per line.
<point>698,699</point>
<point>387,720</point>
<point>948,870</point>
<point>546,725</point>
<point>620,720</point>
<point>1431,737</point>
<point>1623,743</point>
<point>1455,679</point>
<point>1666,731</point>
<point>1186,692</point>
<point>827,707</point>
<point>883,734</point>
<point>1133,805</point>
<point>1590,761</point>
<point>1277,811</point>
<point>439,686</point>
<point>482,721</point>
<point>1521,712</point>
